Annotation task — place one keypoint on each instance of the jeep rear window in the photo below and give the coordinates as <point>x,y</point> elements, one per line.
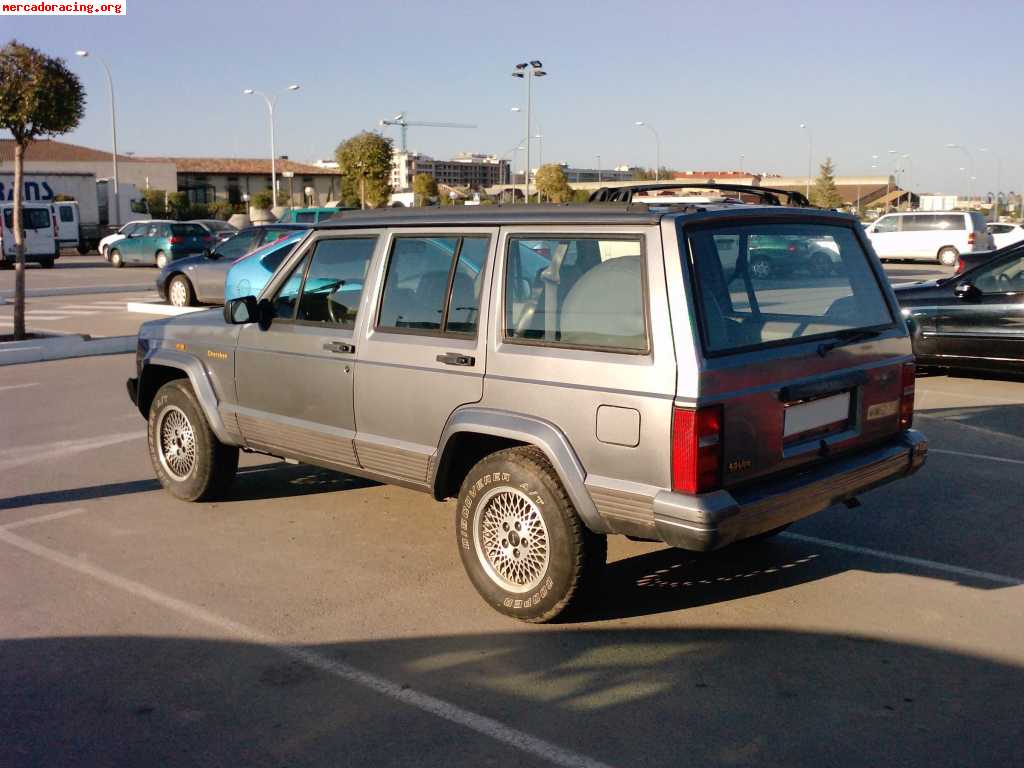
<point>770,284</point>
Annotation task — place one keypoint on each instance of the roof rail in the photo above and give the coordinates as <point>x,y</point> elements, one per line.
<point>767,195</point>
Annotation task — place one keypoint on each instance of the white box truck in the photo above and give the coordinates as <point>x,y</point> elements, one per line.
<point>84,223</point>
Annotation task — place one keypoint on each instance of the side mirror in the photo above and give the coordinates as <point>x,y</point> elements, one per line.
<point>241,311</point>
<point>264,313</point>
<point>967,292</point>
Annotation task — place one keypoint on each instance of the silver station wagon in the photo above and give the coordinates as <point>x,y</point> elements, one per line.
<point>563,372</point>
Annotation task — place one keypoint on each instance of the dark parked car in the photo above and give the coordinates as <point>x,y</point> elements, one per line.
<point>973,320</point>
<point>201,278</point>
<point>219,229</point>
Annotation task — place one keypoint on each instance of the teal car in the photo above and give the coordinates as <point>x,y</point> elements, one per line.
<point>310,215</point>
<point>161,243</point>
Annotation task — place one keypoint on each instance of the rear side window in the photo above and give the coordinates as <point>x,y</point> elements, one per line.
<point>307,217</point>
<point>433,284</point>
<point>948,221</point>
<point>31,218</point>
<point>919,223</point>
<point>771,284</point>
<point>239,245</point>
<point>188,230</point>
<point>576,292</point>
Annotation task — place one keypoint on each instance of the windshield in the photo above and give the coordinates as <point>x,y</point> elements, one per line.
<point>767,284</point>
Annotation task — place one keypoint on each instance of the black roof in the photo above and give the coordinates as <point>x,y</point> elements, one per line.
<point>588,213</point>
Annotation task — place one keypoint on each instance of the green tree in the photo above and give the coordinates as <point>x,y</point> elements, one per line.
<point>39,96</point>
<point>364,162</point>
<point>824,194</point>
<point>156,201</point>
<point>221,209</point>
<point>552,183</point>
<point>424,188</point>
<point>262,200</point>
<point>180,206</point>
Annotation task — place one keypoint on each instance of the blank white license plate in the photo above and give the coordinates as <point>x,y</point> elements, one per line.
<point>816,413</point>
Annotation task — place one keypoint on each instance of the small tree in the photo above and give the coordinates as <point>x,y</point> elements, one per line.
<point>262,200</point>
<point>364,162</point>
<point>424,188</point>
<point>552,183</point>
<point>179,205</point>
<point>156,201</point>
<point>39,96</point>
<point>824,194</point>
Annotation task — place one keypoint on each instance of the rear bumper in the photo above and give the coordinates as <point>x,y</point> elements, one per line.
<point>712,520</point>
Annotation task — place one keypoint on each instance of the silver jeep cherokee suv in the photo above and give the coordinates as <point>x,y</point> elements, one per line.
<point>564,372</point>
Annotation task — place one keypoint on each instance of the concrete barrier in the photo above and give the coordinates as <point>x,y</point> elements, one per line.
<point>62,347</point>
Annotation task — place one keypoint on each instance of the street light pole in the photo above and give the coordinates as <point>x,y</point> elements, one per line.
<point>657,147</point>
<point>999,178</point>
<point>116,218</point>
<point>273,148</point>
<point>527,71</point>
<point>810,154</point>
<point>970,165</point>
<point>598,168</point>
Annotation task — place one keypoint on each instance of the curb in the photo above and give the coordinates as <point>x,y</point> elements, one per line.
<point>42,293</point>
<point>63,347</point>
<point>148,308</point>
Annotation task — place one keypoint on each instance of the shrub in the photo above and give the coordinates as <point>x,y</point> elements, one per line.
<point>221,209</point>
<point>263,200</point>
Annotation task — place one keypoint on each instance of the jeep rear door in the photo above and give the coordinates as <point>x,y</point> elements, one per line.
<point>423,351</point>
<point>800,367</point>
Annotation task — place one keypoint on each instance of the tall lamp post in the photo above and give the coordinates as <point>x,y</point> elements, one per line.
<point>116,218</point>
<point>970,165</point>
<point>999,178</point>
<point>598,168</point>
<point>527,71</point>
<point>271,101</point>
<point>810,154</point>
<point>657,147</point>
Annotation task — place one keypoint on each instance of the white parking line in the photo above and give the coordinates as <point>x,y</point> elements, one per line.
<point>882,555</point>
<point>66,311</point>
<point>16,457</point>
<point>7,387</point>
<point>975,456</point>
<point>440,708</point>
<point>42,519</point>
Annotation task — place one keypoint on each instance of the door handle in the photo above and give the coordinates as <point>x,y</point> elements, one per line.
<point>454,358</point>
<point>339,346</point>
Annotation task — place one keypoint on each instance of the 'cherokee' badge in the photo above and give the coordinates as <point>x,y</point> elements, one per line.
<point>216,354</point>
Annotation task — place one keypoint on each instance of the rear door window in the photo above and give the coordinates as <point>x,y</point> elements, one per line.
<point>821,284</point>
<point>31,218</point>
<point>947,221</point>
<point>433,284</point>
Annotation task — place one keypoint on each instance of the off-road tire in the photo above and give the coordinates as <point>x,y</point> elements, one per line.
<point>575,555</point>
<point>948,256</point>
<point>214,464</point>
<point>180,293</point>
<point>761,268</point>
<point>160,260</point>
<point>115,258</point>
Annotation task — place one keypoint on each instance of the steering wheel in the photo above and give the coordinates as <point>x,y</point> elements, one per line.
<point>342,309</point>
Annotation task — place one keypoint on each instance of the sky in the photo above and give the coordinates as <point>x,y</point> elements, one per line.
<point>718,81</point>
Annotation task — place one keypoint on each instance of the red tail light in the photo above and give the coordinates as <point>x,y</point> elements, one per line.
<point>791,248</point>
<point>971,237</point>
<point>959,264</point>
<point>907,397</point>
<point>176,239</point>
<point>696,449</point>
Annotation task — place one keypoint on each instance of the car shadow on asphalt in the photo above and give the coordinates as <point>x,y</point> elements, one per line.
<point>275,480</point>
<point>696,696</point>
<point>1005,420</point>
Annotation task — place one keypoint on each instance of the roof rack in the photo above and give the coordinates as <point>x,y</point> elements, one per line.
<point>767,195</point>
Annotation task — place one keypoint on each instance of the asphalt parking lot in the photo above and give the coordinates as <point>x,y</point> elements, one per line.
<point>316,619</point>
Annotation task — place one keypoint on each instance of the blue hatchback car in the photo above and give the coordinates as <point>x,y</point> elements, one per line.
<point>250,273</point>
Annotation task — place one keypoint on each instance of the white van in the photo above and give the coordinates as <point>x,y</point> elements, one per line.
<point>41,233</point>
<point>933,236</point>
<point>69,220</point>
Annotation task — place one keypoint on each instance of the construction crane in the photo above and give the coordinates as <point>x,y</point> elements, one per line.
<point>404,124</point>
